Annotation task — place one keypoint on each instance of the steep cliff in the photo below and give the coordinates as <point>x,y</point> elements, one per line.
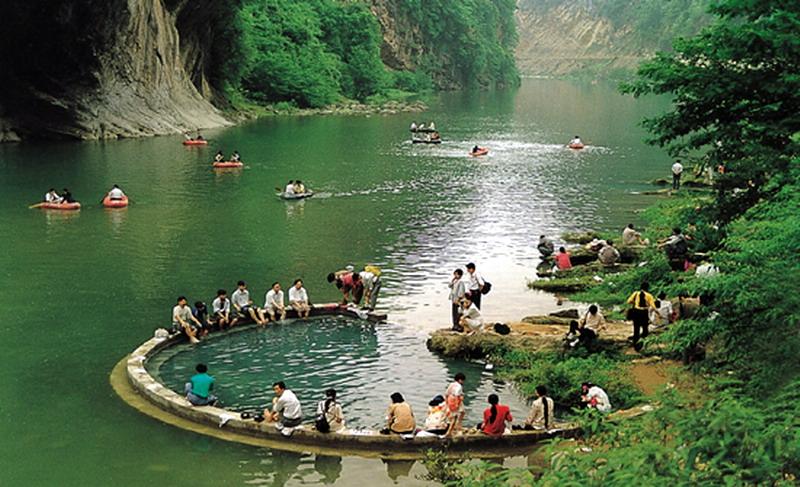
<point>93,69</point>
<point>558,37</point>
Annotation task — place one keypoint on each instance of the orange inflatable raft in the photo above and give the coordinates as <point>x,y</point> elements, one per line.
<point>576,146</point>
<point>482,151</point>
<point>195,142</point>
<point>228,164</point>
<point>109,203</point>
<point>60,206</point>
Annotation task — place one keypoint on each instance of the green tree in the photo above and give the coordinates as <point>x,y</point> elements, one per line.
<point>736,94</point>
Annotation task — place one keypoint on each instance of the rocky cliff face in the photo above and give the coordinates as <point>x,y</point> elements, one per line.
<point>101,69</point>
<point>599,37</point>
<point>562,39</point>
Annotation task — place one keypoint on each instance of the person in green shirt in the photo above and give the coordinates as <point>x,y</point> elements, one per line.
<point>198,389</point>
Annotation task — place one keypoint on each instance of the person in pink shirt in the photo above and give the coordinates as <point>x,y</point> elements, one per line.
<point>347,282</point>
<point>562,259</point>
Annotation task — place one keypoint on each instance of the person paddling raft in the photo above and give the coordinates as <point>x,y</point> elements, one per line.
<point>235,157</point>
<point>116,193</point>
<point>66,196</point>
<point>219,157</point>
<point>575,141</point>
<point>52,197</point>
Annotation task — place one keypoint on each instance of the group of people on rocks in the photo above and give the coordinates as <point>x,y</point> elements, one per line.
<point>445,413</point>
<point>355,286</point>
<point>465,299</point>
<point>227,312</point>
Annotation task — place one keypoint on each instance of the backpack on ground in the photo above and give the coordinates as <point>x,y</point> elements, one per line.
<point>502,329</point>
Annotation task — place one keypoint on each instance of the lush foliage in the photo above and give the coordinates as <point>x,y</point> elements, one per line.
<point>468,43</point>
<point>727,440</point>
<point>315,52</point>
<point>737,98</point>
<point>563,375</point>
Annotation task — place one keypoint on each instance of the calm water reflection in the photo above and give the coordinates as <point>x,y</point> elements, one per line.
<point>82,289</point>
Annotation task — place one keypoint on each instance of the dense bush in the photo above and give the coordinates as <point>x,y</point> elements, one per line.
<point>563,376</point>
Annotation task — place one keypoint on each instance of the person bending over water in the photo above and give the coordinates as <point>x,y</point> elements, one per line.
<point>244,305</point>
<point>400,417</point>
<point>184,321</point>
<point>273,302</point>
<point>198,389</point>
<point>286,409</point>
<point>495,417</point>
<point>298,299</point>
<point>330,416</point>
<point>545,246</point>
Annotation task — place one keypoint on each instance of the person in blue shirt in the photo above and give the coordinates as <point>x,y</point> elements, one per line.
<point>198,389</point>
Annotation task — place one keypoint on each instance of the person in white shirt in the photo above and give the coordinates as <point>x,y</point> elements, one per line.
<point>298,299</point>
<point>431,126</point>
<point>458,289</point>
<point>184,321</point>
<point>661,315</point>
<point>273,302</point>
<point>116,193</point>
<point>608,255</point>
<point>332,411</point>
<point>235,157</point>
<point>244,305</point>
<point>371,286</point>
<point>595,397</point>
<point>471,318</point>
<point>475,286</point>
<point>221,310</point>
<point>285,407</point>
<point>631,237</point>
<point>413,126</point>
<point>576,141</point>
<point>289,190</point>
<point>677,169</point>
<point>52,196</point>
<point>542,411</point>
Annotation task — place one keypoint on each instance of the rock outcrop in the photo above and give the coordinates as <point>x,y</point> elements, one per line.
<point>94,69</point>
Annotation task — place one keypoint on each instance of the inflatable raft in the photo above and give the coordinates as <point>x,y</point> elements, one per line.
<point>195,142</point>
<point>228,164</point>
<point>60,206</point>
<point>109,203</point>
<point>480,152</point>
<point>576,146</point>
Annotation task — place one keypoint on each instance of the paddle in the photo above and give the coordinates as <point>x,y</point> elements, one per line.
<point>36,205</point>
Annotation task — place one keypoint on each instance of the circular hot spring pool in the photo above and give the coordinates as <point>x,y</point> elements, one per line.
<point>364,362</point>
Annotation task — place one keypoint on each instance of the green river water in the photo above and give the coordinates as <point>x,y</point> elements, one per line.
<point>81,290</point>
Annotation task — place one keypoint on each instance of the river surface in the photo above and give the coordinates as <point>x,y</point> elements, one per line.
<point>80,290</point>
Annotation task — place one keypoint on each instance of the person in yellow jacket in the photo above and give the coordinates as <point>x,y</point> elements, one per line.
<point>641,303</point>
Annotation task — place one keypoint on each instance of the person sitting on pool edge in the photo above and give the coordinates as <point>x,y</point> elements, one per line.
<point>298,299</point>
<point>541,415</point>
<point>495,417</point>
<point>471,319</point>
<point>286,411</point>
<point>244,305</point>
<point>221,310</point>
<point>198,389</point>
<point>330,417</point>
<point>273,302</point>
<point>200,313</point>
<point>436,421</point>
<point>184,321</point>
<point>399,417</point>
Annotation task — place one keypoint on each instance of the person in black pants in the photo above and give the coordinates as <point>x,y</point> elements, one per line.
<point>475,285</point>
<point>641,302</point>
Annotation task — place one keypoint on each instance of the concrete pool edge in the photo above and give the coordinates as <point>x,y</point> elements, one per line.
<point>134,385</point>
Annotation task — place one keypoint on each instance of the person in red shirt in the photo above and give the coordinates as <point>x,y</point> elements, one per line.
<point>495,417</point>
<point>562,259</point>
<point>347,281</point>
